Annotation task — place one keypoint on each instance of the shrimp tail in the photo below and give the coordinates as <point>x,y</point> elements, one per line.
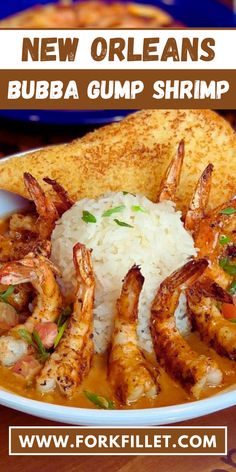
<point>170,182</point>
<point>199,201</point>
<point>65,201</point>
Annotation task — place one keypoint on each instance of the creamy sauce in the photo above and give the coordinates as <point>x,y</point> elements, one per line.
<point>171,392</point>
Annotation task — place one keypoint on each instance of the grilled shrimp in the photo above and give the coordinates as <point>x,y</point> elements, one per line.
<point>45,207</point>
<point>195,372</point>
<point>71,360</point>
<point>171,179</point>
<point>65,202</point>
<point>198,205</point>
<point>39,272</point>
<point>206,317</point>
<point>129,373</point>
<point>47,308</point>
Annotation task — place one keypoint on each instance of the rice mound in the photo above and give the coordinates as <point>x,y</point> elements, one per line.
<point>156,241</point>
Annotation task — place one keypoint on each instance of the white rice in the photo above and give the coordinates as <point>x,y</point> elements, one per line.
<point>157,242</point>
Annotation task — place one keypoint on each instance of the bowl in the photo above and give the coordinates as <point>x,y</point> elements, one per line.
<point>10,202</point>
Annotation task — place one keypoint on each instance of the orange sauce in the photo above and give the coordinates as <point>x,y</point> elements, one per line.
<point>171,392</point>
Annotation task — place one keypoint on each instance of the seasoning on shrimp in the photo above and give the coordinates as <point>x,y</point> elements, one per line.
<point>130,375</point>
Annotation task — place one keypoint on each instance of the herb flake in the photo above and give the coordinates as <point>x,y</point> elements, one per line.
<point>64,315</point>
<point>60,333</point>
<point>138,208</point>
<point>110,212</point>
<point>43,354</point>
<point>227,266</point>
<point>122,223</point>
<point>26,336</point>
<point>4,295</point>
<point>99,400</point>
<point>232,288</point>
<point>88,217</point>
<point>224,240</point>
<point>228,211</point>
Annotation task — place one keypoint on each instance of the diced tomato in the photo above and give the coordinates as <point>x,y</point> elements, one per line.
<point>27,366</point>
<point>8,317</point>
<point>47,332</point>
<point>229,311</point>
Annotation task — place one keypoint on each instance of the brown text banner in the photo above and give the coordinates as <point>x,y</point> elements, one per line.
<point>117,89</point>
<point>118,441</point>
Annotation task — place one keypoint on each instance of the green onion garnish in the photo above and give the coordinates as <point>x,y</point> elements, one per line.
<point>232,288</point>
<point>64,315</point>
<point>88,217</point>
<point>98,400</point>
<point>129,193</point>
<point>228,211</point>
<point>4,295</point>
<point>138,208</point>
<point>60,333</point>
<point>227,266</point>
<point>43,354</point>
<point>224,240</point>
<point>113,210</point>
<point>122,223</point>
<point>26,335</point>
<point>233,321</point>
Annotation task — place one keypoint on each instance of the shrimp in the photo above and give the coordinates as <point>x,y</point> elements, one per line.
<point>48,214</point>
<point>195,372</point>
<point>206,317</point>
<point>171,179</point>
<point>196,211</point>
<point>71,361</point>
<point>65,201</point>
<point>39,272</point>
<point>129,373</point>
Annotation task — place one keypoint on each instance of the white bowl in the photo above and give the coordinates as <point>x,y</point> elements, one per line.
<point>84,416</point>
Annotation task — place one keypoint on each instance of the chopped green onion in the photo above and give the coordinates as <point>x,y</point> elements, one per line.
<point>88,217</point>
<point>98,400</point>
<point>4,295</point>
<point>232,288</point>
<point>43,354</point>
<point>228,211</point>
<point>233,321</point>
<point>227,266</point>
<point>122,223</point>
<point>26,335</point>
<point>224,240</point>
<point>60,333</point>
<point>138,208</point>
<point>113,210</point>
<point>64,315</point>
<point>129,193</point>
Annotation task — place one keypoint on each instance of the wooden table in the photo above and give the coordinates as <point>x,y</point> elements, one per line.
<point>117,463</point>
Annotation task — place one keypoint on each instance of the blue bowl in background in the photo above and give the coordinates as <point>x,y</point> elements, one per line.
<point>195,14</point>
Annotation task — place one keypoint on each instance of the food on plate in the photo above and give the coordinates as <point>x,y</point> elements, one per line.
<point>130,374</point>
<point>194,371</point>
<point>120,299</point>
<point>71,360</point>
<point>91,14</point>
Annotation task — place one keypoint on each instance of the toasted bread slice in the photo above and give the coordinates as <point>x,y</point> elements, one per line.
<point>133,155</point>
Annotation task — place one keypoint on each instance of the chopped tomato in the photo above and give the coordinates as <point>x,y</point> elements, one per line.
<point>229,311</point>
<point>47,332</point>
<point>27,366</point>
<point>8,317</point>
